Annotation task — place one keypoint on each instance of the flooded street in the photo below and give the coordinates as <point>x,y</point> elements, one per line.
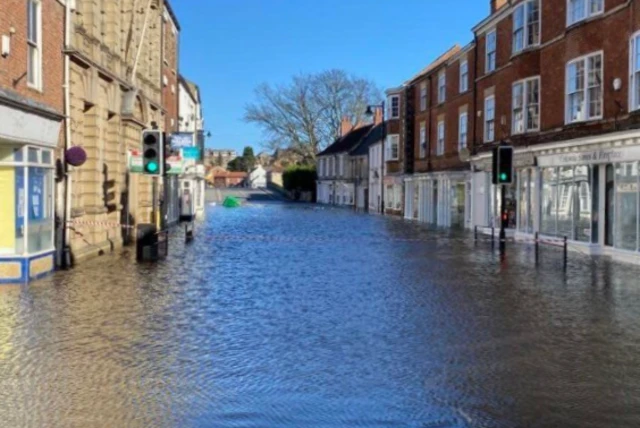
<point>302,316</point>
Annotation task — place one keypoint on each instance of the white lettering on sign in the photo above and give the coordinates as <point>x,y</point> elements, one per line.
<point>626,154</point>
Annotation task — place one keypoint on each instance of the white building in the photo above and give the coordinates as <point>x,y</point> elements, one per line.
<point>258,178</point>
<point>336,184</point>
<point>376,174</point>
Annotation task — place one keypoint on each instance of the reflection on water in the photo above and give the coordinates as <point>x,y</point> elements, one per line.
<point>357,329</point>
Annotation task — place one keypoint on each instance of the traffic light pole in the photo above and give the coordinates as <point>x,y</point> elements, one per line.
<point>503,219</point>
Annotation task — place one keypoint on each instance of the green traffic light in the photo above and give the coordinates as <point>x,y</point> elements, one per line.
<point>152,167</point>
<point>503,176</point>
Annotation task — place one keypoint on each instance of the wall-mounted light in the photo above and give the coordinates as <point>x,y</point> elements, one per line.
<point>617,84</point>
<point>5,50</point>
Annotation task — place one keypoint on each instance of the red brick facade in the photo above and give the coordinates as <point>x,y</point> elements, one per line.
<point>170,41</point>
<point>13,68</point>
<point>609,32</point>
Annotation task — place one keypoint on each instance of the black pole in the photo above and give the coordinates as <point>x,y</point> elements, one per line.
<point>565,252</point>
<point>384,136</point>
<point>503,220</point>
<point>475,232</point>
<point>537,246</point>
<point>493,237</point>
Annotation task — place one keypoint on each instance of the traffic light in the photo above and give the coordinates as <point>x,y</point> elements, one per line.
<point>503,165</point>
<point>152,152</point>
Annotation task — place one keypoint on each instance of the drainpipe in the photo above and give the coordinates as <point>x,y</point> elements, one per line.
<point>144,31</point>
<point>66,259</point>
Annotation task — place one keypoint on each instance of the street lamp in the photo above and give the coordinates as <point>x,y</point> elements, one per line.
<point>370,112</point>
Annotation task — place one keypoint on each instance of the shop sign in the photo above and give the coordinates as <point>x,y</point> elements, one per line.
<point>176,163</point>
<point>621,154</point>
<point>181,140</point>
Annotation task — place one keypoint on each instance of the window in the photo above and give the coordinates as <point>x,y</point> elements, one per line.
<point>584,89</point>
<point>440,148</point>
<point>389,197</point>
<point>526,105</point>
<point>423,139</point>
<point>393,147</point>
<point>578,10</point>
<point>34,44</point>
<point>462,131</point>
<point>526,25</point>
<point>423,96</point>
<point>333,166</point>
<point>442,86</point>
<point>635,72</point>
<point>489,118</point>
<point>464,76</point>
<point>341,165</point>
<point>490,56</point>
<point>394,107</point>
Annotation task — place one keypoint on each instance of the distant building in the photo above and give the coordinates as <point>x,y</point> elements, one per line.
<point>220,157</point>
<point>258,178</point>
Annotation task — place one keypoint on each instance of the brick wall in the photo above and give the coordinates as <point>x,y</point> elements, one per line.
<point>170,47</point>
<point>13,69</point>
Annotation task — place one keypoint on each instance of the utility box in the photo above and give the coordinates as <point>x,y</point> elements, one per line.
<point>187,202</point>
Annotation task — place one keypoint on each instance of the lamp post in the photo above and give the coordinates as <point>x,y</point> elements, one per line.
<point>370,112</point>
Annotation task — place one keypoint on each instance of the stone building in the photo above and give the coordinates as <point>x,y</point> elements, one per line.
<point>116,80</point>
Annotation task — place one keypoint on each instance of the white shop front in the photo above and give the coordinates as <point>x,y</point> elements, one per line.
<point>441,199</point>
<point>587,190</point>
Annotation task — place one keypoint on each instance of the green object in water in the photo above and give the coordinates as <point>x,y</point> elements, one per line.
<point>231,202</point>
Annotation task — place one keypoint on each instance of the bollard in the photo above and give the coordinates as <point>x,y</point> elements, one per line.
<point>475,233</point>
<point>537,246</point>
<point>493,239</point>
<point>188,232</point>
<point>565,252</point>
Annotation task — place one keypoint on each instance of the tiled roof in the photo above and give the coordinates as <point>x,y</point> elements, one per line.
<point>435,64</point>
<point>374,136</point>
<point>348,142</point>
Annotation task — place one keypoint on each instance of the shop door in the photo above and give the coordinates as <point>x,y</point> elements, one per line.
<point>610,199</point>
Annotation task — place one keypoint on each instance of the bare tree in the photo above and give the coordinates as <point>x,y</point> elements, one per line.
<point>306,115</point>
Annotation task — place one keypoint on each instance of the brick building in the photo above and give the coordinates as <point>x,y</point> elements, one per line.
<point>394,153</point>
<point>438,190</point>
<point>31,117</point>
<point>560,81</point>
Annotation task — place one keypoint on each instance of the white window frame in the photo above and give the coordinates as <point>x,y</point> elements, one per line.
<point>526,25</point>
<point>394,114</point>
<point>585,60</point>
<point>423,96</point>
<point>442,86</point>
<point>423,140</point>
<point>463,130</point>
<point>634,72</point>
<point>586,7</point>
<point>490,56</point>
<point>488,138</point>
<point>464,76</point>
<point>392,140</point>
<point>441,138</point>
<point>34,46</point>
<point>525,104</point>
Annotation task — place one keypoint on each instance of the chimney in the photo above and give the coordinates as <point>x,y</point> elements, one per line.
<point>497,4</point>
<point>377,117</point>
<point>346,126</point>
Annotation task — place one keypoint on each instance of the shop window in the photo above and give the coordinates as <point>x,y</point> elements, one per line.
<point>29,185</point>
<point>526,191</point>
<point>549,202</point>
<point>626,207</point>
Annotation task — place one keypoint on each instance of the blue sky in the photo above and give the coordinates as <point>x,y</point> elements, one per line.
<point>229,47</point>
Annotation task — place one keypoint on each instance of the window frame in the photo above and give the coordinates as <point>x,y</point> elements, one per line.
<point>634,86</point>
<point>525,26</point>
<point>463,130</point>
<point>35,45</point>
<point>585,90</point>
<point>423,140</point>
<point>587,11</point>
<point>525,105</point>
<point>441,136</point>
<point>490,57</point>
<point>442,86</point>
<point>464,77</point>
<point>423,96</point>
<point>390,112</point>
<point>392,140</point>
<point>485,120</point>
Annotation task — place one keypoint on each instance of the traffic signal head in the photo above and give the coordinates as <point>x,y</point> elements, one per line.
<point>152,152</point>
<point>505,165</point>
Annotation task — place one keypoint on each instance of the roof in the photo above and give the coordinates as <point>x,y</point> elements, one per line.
<point>348,142</point>
<point>173,15</point>
<point>187,86</point>
<point>374,136</point>
<point>195,90</point>
<point>437,63</point>
<point>230,174</point>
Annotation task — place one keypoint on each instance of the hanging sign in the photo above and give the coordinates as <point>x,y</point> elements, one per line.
<point>181,140</point>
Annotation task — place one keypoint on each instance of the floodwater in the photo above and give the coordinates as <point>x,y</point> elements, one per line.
<point>302,316</point>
